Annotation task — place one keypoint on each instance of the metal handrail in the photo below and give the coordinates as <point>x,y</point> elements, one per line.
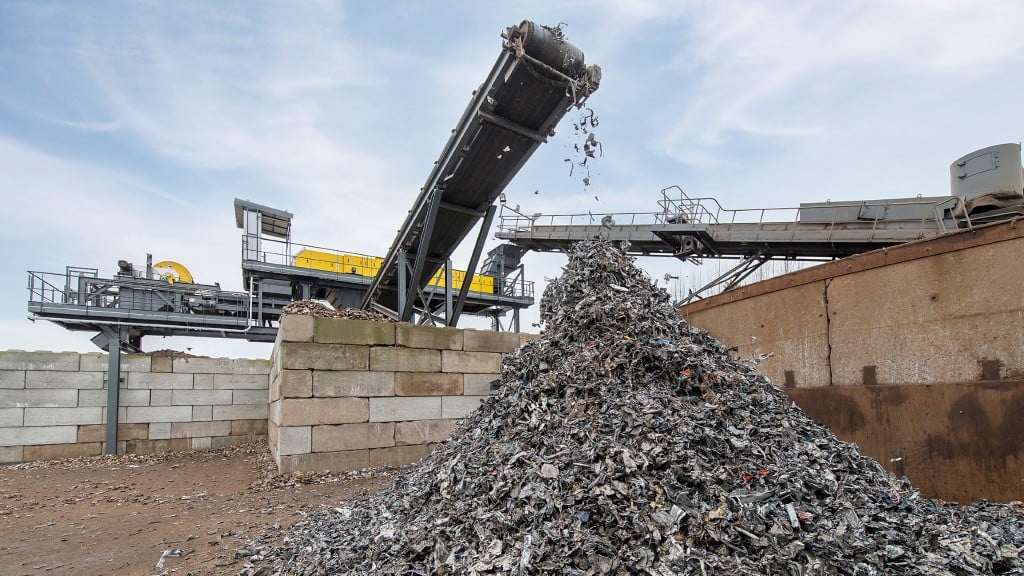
<point>684,209</point>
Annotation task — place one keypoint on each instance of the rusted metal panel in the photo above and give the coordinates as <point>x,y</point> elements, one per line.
<point>786,331</point>
<point>957,441</point>
<point>915,353</point>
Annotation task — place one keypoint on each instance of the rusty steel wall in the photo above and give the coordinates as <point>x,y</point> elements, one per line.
<point>916,353</point>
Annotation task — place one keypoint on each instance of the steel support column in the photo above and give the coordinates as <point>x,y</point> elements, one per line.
<point>113,390</point>
<point>448,289</point>
<point>403,274</point>
<point>405,311</point>
<point>481,237</point>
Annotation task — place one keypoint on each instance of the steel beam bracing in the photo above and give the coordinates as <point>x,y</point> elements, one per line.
<point>729,279</point>
<point>535,80</point>
<point>478,249</point>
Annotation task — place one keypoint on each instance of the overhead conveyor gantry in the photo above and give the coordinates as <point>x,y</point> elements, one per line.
<point>987,185</point>
<point>537,78</point>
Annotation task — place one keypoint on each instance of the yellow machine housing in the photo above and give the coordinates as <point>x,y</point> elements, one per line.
<point>367,266</point>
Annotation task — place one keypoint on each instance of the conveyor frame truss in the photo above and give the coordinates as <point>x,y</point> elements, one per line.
<point>535,80</point>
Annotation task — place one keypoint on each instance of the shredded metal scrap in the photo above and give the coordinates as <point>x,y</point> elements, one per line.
<point>314,308</point>
<point>624,441</point>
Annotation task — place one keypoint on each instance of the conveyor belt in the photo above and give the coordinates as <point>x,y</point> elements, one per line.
<point>537,78</point>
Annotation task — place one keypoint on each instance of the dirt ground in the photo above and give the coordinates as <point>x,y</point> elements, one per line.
<point>118,514</point>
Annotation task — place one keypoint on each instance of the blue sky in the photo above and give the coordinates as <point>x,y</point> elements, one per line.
<point>128,128</point>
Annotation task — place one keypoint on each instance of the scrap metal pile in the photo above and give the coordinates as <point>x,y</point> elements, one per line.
<point>314,308</point>
<point>624,441</point>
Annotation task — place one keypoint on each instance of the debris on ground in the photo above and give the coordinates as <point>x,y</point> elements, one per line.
<point>625,441</point>
<point>320,310</point>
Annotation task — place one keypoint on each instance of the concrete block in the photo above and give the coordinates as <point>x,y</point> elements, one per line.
<point>98,362</point>
<point>353,436</point>
<point>427,384</point>
<point>198,429</point>
<point>76,380</point>
<point>490,341</point>
<point>399,455</point>
<point>202,413</point>
<point>525,337</point>
<point>296,328</point>
<point>218,442</point>
<point>122,414</point>
<point>324,461</point>
<point>460,406</point>
<point>435,338</point>
<point>10,417</point>
<point>200,397</point>
<point>311,356</point>
<point>274,412</point>
<point>294,440</point>
<point>161,397</point>
<point>12,378</point>
<point>159,414</point>
<point>38,435</point>
<point>242,397</point>
<point>63,416</point>
<point>160,364</point>
<point>38,398</point>
<point>221,366</point>
<point>406,408</point>
<point>59,451</point>
<point>329,383</point>
<point>361,332</point>
<point>256,427</point>
<point>11,454</point>
<point>21,360</point>
<point>312,411</point>
<point>98,432</point>
<point>125,397</point>
<point>159,430</point>
<point>480,384</point>
<point>240,412</point>
<point>157,446</point>
<point>470,362</point>
<point>405,360</point>
<point>423,431</point>
<point>160,381</point>
<point>202,443</point>
<point>293,384</point>
<point>241,381</point>
<point>202,381</point>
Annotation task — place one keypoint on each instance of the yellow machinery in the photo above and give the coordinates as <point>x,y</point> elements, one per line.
<point>368,266</point>
<point>172,272</point>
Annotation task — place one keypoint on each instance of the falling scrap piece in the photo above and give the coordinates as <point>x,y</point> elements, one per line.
<point>624,441</point>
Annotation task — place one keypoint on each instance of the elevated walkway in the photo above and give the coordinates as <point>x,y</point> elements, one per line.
<point>692,229</point>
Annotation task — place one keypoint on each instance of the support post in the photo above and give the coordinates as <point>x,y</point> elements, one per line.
<point>403,273</point>
<point>448,289</point>
<point>481,237</point>
<point>405,310</point>
<point>113,391</point>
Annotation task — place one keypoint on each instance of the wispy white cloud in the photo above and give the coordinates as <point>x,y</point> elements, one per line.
<point>779,70</point>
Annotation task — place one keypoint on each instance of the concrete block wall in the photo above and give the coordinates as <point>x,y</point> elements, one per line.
<point>53,404</point>
<point>350,394</point>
